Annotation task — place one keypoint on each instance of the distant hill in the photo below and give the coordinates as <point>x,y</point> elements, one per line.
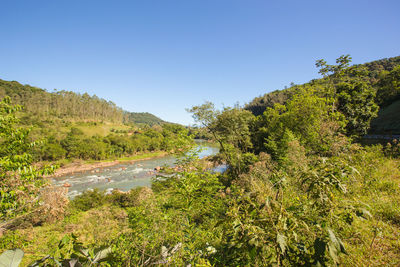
<point>142,118</point>
<point>69,106</point>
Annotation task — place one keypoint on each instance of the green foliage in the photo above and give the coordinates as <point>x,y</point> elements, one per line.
<point>231,129</point>
<point>389,87</point>
<point>42,107</point>
<point>173,228</point>
<point>375,68</point>
<point>70,252</point>
<point>291,220</point>
<point>89,200</point>
<point>351,93</point>
<point>306,118</point>
<point>142,118</point>
<point>199,133</point>
<point>175,138</point>
<point>392,149</point>
<point>324,180</point>
<point>41,104</point>
<point>20,182</point>
<point>77,145</point>
<point>131,198</point>
<point>52,151</point>
<point>356,102</point>
<point>193,193</point>
<point>259,104</point>
<point>94,148</point>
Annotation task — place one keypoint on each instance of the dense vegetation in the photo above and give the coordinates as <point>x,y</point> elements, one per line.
<point>381,75</point>
<point>298,191</point>
<point>142,118</point>
<point>77,145</point>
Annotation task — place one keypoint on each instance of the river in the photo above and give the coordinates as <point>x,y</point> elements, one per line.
<point>123,176</point>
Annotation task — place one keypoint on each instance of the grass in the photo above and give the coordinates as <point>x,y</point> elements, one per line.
<point>100,129</point>
<point>60,130</point>
<point>376,241</point>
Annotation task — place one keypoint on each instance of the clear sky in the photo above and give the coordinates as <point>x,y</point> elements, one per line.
<point>163,56</point>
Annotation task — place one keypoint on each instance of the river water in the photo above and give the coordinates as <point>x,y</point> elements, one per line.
<point>123,176</point>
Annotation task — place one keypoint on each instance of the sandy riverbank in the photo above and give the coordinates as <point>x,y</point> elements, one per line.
<point>77,167</point>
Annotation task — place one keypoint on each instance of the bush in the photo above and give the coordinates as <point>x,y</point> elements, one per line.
<point>53,151</point>
<point>89,199</point>
<point>131,198</point>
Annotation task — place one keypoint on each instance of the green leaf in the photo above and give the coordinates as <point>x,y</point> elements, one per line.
<point>11,258</point>
<point>64,241</point>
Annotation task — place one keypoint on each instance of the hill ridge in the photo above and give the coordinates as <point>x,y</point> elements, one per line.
<point>68,105</point>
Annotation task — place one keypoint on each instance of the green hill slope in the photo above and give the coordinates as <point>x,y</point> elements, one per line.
<point>42,105</point>
<point>388,120</point>
<point>142,118</point>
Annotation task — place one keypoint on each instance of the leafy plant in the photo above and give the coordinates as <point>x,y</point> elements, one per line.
<point>71,253</point>
<point>20,182</point>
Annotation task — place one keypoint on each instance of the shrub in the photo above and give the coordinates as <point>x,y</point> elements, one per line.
<point>89,199</point>
<point>131,198</point>
<point>53,151</point>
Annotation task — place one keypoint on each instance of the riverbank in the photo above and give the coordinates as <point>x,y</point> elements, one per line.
<point>84,166</point>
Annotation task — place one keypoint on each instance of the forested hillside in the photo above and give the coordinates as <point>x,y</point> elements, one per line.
<point>69,106</point>
<point>142,118</point>
<point>381,75</point>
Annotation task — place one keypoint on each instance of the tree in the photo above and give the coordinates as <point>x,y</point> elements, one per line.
<point>389,87</point>
<point>306,117</point>
<point>350,93</point>
<point>333,74</point>
<point>356,100</point>
<point>231,129</point>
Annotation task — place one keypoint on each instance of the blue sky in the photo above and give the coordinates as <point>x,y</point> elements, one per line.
<point>162,56</point>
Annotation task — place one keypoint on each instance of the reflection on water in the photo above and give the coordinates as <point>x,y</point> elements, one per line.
<point>122,176</point>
